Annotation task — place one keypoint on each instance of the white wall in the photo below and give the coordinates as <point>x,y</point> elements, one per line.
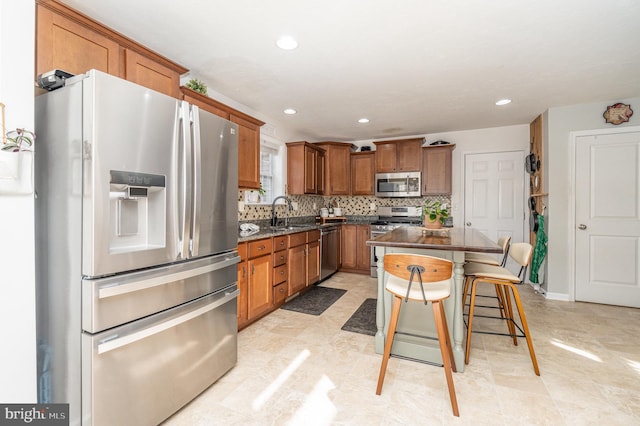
<point>17,282</point>
<point>559,122</point>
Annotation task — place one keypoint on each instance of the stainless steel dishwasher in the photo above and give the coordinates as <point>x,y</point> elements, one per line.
<point>330,249</point>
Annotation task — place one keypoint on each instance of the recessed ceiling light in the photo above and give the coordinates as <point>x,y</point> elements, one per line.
<point>290,111</point>
<point>363,120</point>
<point>287,43</point>
<point>503,102</point>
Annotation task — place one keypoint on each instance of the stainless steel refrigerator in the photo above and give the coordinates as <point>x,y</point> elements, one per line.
<point>136,228</point>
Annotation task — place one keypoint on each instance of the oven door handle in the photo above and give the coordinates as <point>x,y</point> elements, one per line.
<point>115,342</point>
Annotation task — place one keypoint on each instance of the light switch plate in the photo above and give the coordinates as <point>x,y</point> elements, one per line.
<point>240,206</point>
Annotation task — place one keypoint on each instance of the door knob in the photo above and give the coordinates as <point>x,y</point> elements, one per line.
<point>468,223</point>
<point>582,226</point>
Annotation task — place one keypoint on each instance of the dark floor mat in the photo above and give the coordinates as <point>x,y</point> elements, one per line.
<point>363,320</point>
<point>315,301</point>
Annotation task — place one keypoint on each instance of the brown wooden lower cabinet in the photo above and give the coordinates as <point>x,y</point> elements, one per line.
<point>304,260</point>
<point>313,262</point>
<point>279,294</point>
<point>355,253</point>
<point>259,270</point>
<point>272,269</point>
<point>313,257</point>
<point>297,265</point>
<point>243,286</point>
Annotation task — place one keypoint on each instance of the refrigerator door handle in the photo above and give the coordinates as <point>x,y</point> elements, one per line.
<point>119,289</point>
<point>114,343</point>
<point>197,180</point>
<point>185,177</point>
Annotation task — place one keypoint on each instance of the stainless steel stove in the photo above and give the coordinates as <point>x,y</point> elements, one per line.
<point>389,218</point>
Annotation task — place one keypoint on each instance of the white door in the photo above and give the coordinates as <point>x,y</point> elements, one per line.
<point>494,194</point>
<point>607,209</point>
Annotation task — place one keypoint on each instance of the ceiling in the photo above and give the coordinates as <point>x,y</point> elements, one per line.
<point>412,67</point>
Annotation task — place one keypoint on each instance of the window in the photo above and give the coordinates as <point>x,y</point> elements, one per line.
<point>270,171</point>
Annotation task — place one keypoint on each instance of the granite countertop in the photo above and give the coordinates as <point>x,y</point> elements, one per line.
<point>453,239</point>
<point>267,231</point>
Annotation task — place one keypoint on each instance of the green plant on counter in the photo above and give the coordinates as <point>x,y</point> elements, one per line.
<point>261,190</point>
<point>16,140</point>
<point>434,209</point>
<point>197,86</point>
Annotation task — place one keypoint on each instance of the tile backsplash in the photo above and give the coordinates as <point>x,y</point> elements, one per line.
<point>309,205</point>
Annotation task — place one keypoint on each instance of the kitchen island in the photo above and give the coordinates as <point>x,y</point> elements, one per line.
<point>416,320</point>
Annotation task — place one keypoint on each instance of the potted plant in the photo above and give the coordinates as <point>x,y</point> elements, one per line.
<point>434,213</point>
<point>16,162</point>
<point>197,86</point>
<point>261,192</point>
<point>18,140</point>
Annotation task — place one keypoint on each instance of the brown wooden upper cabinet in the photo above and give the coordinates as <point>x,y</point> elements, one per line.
<point>248,150</point>
<point>248,136</point>
<point>146,72</point>
<point>436,169</point>
<point>363,169</point>
<point>68,40</point>
<point>337,167</point>
<point>305,168</point>
<point>402,155</point>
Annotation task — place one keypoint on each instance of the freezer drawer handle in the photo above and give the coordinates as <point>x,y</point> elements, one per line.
<point>112,344</point>
<point>119,289</point>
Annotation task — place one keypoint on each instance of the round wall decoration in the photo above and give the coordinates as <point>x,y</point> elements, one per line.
<point>617,113</point>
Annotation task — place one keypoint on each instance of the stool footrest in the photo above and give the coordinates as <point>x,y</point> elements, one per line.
<point>495,333</point>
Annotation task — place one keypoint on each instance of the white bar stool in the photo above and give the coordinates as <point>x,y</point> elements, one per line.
<point>425,279</point>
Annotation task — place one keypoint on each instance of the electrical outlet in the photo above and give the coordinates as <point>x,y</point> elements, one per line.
<point>240,206</point>
<point>372,206</point>
<point>315,206</point>
<point>294,204</point>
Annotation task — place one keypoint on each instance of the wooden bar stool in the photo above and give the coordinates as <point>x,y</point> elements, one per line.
<point>487,259</point>
<point>505,280</point>
<point>425,279</point>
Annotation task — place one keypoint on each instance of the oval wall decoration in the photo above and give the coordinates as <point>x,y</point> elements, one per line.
<point>617,113</point>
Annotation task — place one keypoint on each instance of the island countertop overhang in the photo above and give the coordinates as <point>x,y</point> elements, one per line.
<point>451,239</point>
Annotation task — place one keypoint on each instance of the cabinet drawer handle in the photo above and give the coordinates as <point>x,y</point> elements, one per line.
<point>261,247</point>
<point>281,257</point>
<point>282,290</point>
<point>253,269</point>
<point>244,271</point>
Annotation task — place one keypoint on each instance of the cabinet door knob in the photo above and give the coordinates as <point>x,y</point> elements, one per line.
<point>253,269</point>
<point>281,272</point>
<point>582,227</point>
<point>468,223</point>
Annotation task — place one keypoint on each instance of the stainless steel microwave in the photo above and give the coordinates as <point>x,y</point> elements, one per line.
<point>405,184</point>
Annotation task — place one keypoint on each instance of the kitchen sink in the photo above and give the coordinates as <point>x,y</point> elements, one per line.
<point>288,227</point>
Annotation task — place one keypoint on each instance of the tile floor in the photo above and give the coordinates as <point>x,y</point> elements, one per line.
<point>298,369</point>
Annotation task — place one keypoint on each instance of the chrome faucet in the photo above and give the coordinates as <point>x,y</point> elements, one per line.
<point>274,218</point>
